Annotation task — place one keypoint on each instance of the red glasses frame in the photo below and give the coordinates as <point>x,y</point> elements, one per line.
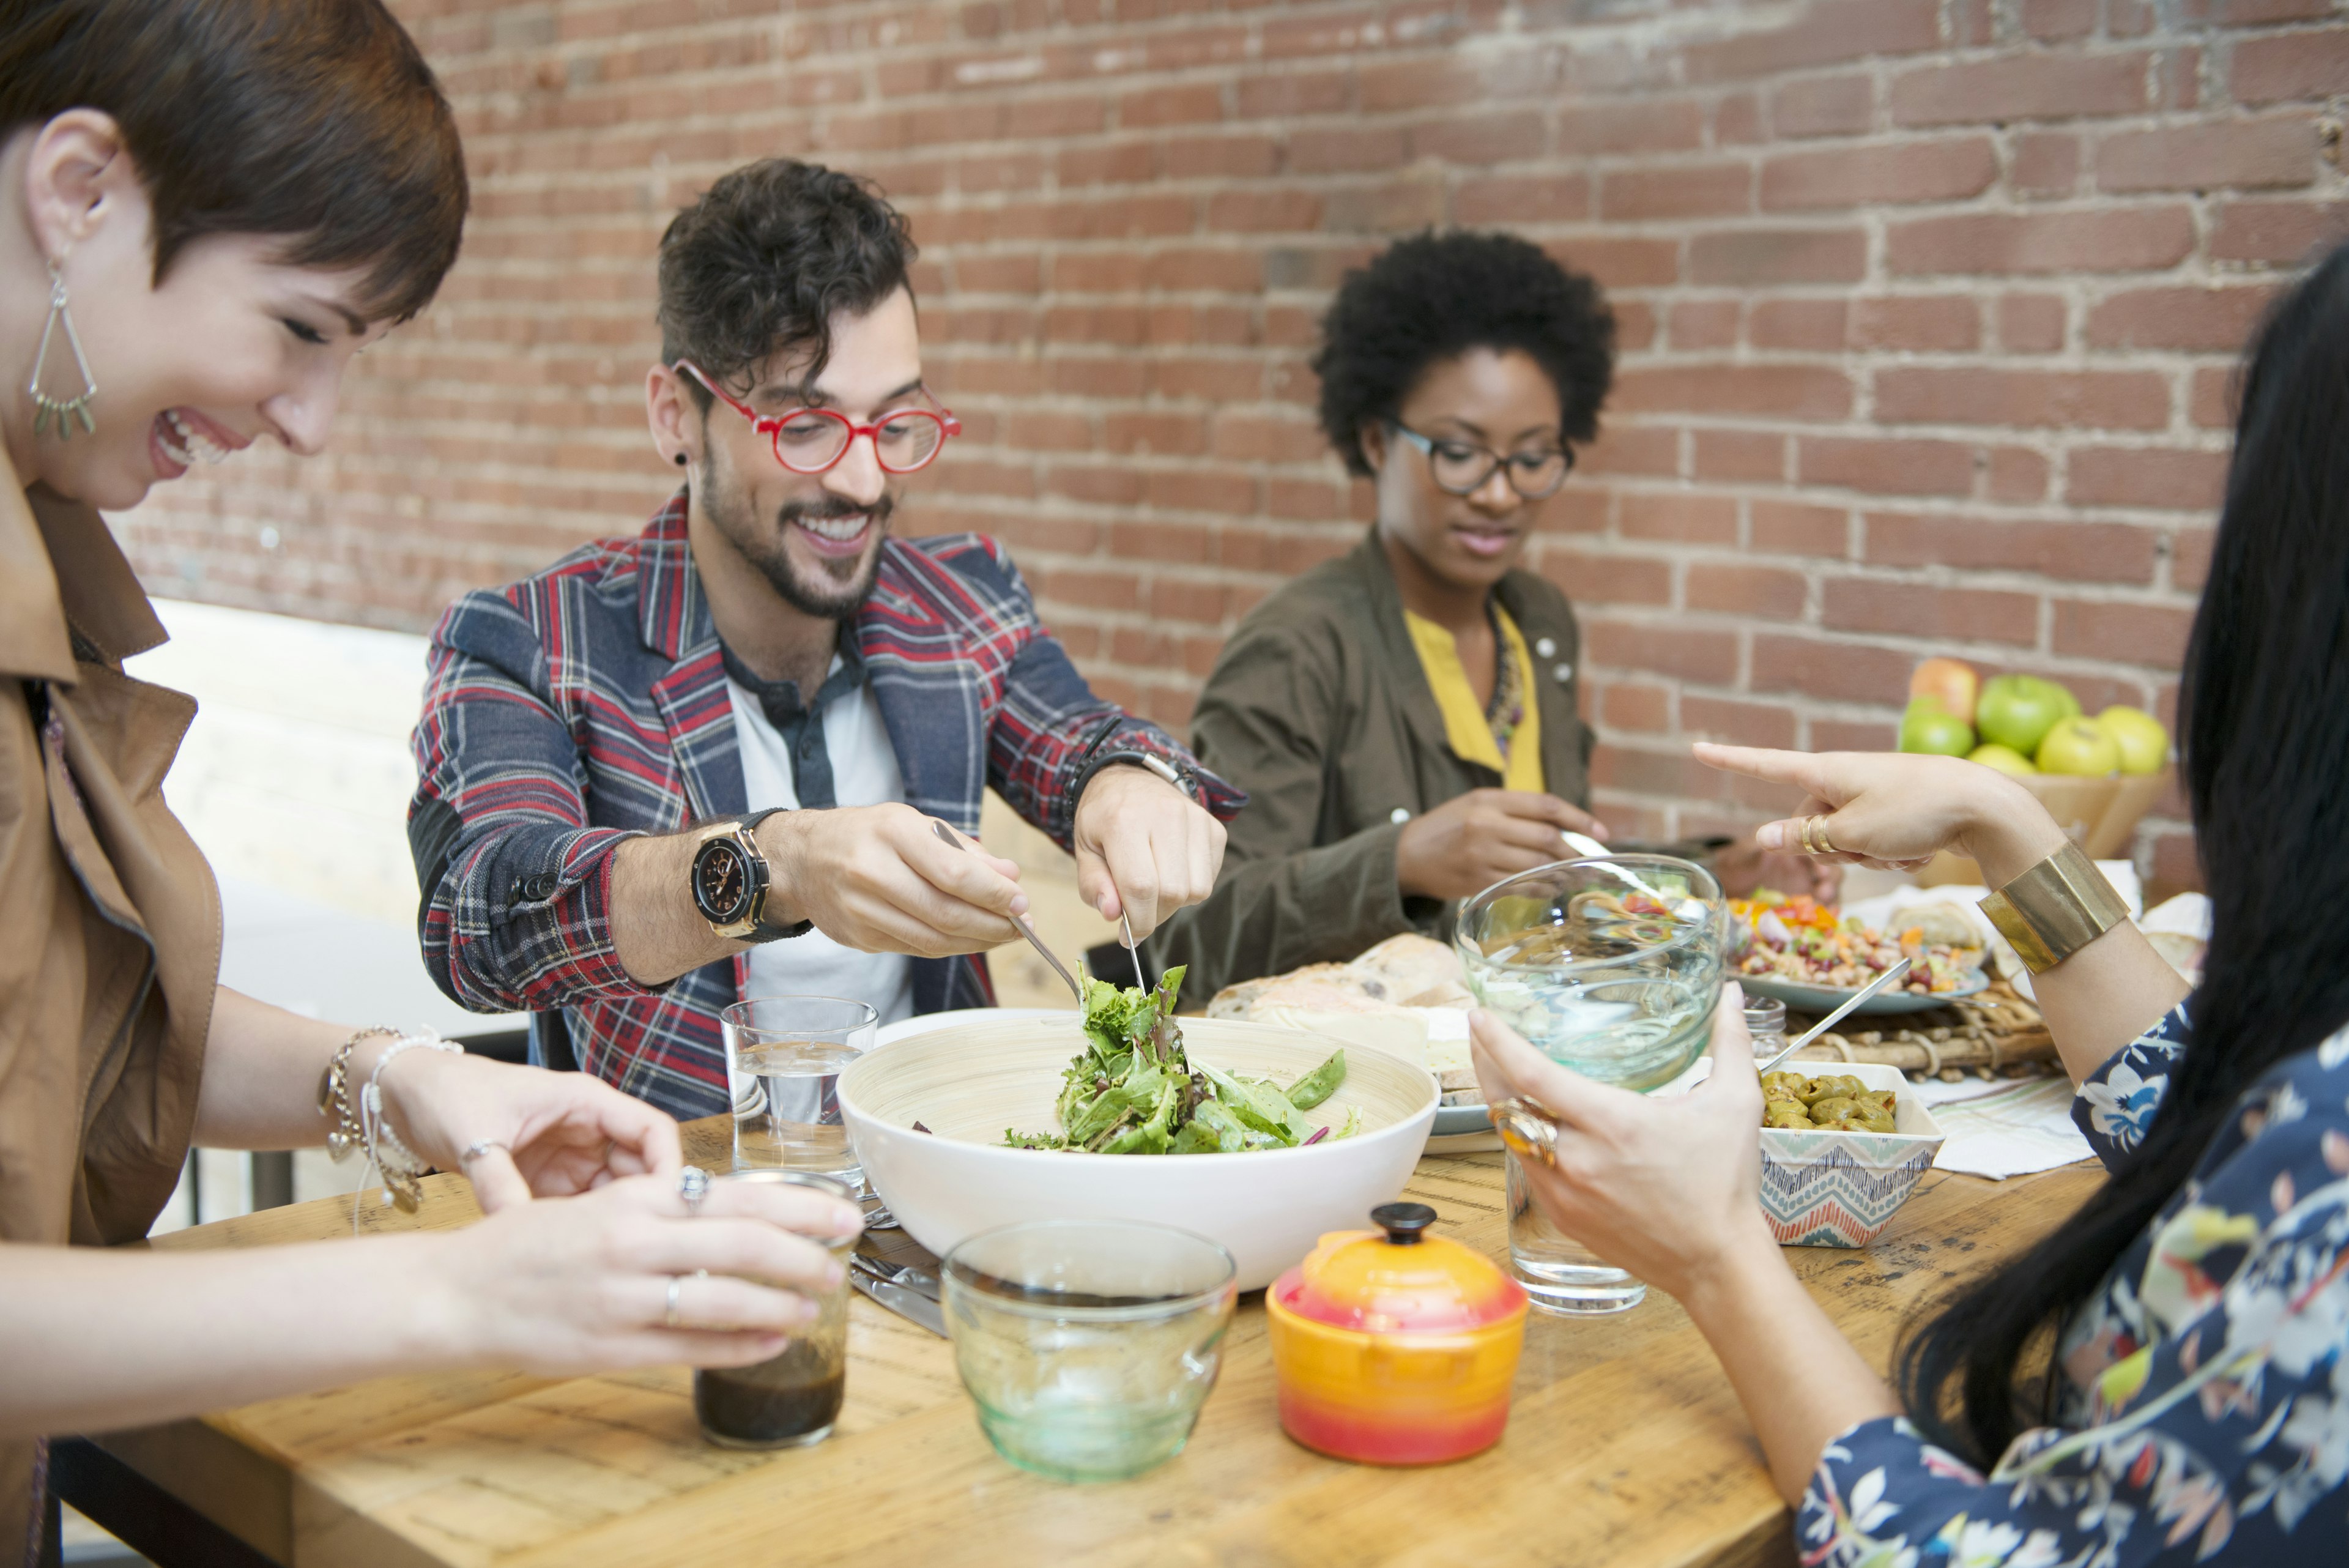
<point>771,427</point>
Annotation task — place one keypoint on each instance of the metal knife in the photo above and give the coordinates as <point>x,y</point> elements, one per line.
<point>906,1303</point>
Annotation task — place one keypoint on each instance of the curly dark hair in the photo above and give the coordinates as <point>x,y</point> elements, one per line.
<point>760,264</point>
<point>1432,296</point>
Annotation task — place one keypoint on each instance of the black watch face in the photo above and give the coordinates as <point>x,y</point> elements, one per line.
<point>721,881</point>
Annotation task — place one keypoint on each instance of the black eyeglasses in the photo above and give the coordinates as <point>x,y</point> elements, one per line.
<point>1462,468</point>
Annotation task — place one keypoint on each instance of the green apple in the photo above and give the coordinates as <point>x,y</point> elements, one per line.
<point>1930,727</point>
<point>2005,759</point>
<point>2144,743</point>
<point>2018,711</point>
<point>2078,746</point>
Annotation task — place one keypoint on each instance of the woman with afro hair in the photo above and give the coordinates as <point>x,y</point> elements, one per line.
<point>1404,718</point>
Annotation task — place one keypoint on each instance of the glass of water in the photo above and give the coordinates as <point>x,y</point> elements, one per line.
<point>1609,966</point>
<point>1560,1275</point>
<point>1088,1346</point>
<point>783,1058</point>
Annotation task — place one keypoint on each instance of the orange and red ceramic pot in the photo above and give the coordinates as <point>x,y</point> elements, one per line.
<point>1394,1346</point>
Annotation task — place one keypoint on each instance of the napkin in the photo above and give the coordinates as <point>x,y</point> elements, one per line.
<point>2000,1127</point>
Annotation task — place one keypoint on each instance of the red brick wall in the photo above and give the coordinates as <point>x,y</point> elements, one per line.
<point>1929,309</point>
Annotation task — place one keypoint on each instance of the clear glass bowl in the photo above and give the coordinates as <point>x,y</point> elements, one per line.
<point>1609,966</point>
<point>1088,1346</point>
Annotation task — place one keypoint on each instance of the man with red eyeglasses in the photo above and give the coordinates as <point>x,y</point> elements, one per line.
<point>711,761</point>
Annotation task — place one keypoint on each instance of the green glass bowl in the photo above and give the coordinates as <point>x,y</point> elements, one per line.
<point>1609,966</point>
<point>1088,1346</point>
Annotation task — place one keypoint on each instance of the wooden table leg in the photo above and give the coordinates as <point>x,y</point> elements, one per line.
<point>141,1515</point>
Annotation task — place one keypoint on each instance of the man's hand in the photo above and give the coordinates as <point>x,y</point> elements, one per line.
<point>1144,849</point>
<point>1745,867</point>
<point>1470,842</point>
<point>878,879</point>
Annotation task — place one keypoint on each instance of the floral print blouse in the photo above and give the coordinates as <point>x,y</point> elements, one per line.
<point>2205,1409</point>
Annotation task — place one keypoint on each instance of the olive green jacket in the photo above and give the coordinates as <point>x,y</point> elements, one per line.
<point>1319,709</point>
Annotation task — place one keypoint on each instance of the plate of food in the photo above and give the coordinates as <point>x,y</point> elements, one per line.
<point>1813,959</point>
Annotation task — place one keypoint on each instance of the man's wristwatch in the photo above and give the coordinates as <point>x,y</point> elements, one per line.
<point>731,881</point>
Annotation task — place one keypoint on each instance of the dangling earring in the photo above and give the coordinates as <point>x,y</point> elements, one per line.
<point>61,412</point>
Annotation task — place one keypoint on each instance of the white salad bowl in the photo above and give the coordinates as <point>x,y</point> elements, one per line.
<point>969,1082</point>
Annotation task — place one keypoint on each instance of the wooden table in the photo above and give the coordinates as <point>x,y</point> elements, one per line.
<point>1626,1445</point>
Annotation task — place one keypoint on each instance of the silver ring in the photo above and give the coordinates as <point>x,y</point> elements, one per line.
<point>676,1284</point>
<point>477,1148</point>
<point>693,1186</point>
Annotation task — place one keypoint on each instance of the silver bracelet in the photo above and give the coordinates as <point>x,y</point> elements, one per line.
<point>401,1167</point>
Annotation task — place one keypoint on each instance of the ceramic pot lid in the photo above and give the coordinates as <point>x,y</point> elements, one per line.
<point>1399,1280</point>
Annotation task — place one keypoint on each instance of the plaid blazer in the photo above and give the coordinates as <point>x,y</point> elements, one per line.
<point>570,711</point>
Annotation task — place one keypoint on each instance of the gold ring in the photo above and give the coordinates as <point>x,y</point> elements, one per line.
<point>1803,834</point>
<point>1826,845</point>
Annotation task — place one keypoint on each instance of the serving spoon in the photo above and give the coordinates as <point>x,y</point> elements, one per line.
<point>947,835</point>
<point>1823,1024</point>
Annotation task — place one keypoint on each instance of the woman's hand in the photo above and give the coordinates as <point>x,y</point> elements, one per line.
<point>584,1285</point>
<point>1670,1190</point>
<point>1471,841</point>
<point>1895,810</point>
<point>550,1134</point>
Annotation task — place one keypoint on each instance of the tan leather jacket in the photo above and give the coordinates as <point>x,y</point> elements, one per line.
<point>109,920</point>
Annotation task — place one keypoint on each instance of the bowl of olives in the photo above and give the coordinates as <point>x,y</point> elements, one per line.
<point>1841,1150</point>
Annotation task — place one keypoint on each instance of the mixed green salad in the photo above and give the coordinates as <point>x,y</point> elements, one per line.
<point>1132,1090</point>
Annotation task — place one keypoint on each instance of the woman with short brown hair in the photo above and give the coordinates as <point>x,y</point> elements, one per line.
<point>210,206</point>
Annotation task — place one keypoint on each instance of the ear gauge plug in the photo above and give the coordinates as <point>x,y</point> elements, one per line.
<point>679,460</point>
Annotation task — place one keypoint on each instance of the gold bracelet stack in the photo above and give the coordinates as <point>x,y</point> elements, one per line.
<point>2056,908</point>
<point>345,1135</point>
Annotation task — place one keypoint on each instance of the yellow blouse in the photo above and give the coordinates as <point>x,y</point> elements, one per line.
<point>1465,725</point>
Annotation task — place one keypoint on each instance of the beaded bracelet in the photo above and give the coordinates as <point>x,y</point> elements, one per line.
<point>401,1167</point>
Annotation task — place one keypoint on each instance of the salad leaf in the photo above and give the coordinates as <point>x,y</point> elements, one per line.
<point>1133,1089</point>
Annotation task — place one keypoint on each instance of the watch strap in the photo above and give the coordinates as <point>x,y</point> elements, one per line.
<point>762,929</point>
<point>2056,908</point>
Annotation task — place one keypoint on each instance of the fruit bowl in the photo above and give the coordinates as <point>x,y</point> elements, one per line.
<point>969,1082</point>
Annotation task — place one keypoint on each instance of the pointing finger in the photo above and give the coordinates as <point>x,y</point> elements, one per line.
<point>1798,768</point>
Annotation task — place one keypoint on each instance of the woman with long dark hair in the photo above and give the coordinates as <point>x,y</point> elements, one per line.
<point>2167,1375</point>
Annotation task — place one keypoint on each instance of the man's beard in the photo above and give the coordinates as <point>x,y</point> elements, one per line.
<point>836,588</point>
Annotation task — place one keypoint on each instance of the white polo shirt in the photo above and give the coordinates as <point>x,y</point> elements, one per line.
<point>864,772</point>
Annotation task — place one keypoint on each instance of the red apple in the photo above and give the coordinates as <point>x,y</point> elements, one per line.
<point>1949,681</point>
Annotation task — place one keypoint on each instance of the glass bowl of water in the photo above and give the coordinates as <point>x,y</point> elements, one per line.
<point>1088,1346</point>
<point>1609,966</point>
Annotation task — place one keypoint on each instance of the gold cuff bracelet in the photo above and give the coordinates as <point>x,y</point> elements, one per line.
<point>2056,908</point>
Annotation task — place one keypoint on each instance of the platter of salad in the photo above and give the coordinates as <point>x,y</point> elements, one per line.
<point>1812,958</point>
